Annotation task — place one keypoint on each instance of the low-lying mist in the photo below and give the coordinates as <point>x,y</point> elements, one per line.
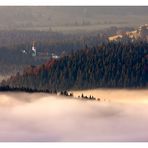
<point>45,117</point>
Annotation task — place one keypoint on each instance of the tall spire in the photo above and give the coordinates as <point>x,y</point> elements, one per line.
<point>33,49</point>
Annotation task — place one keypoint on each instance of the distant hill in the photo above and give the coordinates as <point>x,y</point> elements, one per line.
<point>44,18</point>
<point>111,65</point>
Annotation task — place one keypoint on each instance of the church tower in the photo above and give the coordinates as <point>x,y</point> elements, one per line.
<point>33,49</point>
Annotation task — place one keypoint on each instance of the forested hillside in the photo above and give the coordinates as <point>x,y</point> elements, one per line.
<point>13,43</point>
<point>109,65</point>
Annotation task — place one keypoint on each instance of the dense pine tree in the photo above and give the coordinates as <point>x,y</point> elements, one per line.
<point>113,65</point>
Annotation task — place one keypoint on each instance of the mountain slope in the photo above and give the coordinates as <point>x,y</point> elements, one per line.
<point>111,65</point>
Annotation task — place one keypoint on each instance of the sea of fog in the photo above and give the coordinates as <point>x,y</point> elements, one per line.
<point>121,115</point>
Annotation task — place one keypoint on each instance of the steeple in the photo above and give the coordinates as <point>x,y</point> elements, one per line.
<point>33,49</point>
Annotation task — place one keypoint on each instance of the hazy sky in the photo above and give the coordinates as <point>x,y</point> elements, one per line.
<point>38,17</point>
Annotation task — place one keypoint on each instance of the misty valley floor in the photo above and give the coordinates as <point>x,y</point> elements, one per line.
<point>121,115</point>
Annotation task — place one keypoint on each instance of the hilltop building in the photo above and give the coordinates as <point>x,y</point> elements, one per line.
<point>42,54</point>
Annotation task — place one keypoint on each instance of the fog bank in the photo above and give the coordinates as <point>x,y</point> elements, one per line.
<point>45,117</point>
